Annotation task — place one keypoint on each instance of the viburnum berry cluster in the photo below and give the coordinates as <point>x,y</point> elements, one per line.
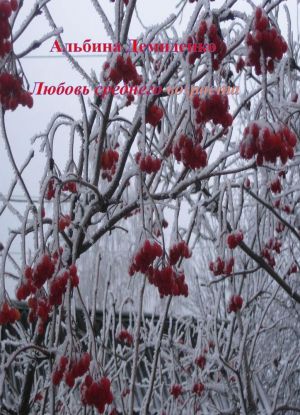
<point>274,244</point>
<point>192,155</point>
<point>76,369</point>
<point>198,388</point>
<point>39,310</point>
<point>293,269</point>
<point>64,222</point>
<point>145,257</point>
<point>50,193</point>
<point>221,267</point>
<point>264,43</point>
<point>234,239</point>
<point>176,390</point>
<point>70,187</point>
<point>280,227</point>
<point>96,394</point>
<point>59,371</point>
<point>148,164</point>
<point>213,108</point>
<point>6,9</point>
<point>125,337</point>
<point>130,100</point>
<point>269,143</point>
<point>12,93</point>
<point>240,64</point>
<point>211,33</point>
<point>153,115</point>
<point>125,70</point>
<point>275,186</point>
<point>43,271</point>
<point>280,205</point>
<point>8,314</point>
<point>201,361</point>
<point>168,281</point>
<point>58,285</point>
<point>235,303</point>
<point>35,278</point>
<point>109,160</point>
<point>178,251</point>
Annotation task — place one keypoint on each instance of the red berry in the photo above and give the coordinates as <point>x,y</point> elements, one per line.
<point>176,390</point>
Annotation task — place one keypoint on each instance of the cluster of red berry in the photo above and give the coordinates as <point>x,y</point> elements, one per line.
<point>266,253</point>
<point>213,108</point>
<point>125,337</point>
<point>70,187</point>
<point>8,314</point>
<point>42,272</point>
<point>275,186</point>
<point>6,9</point>
<point>274,244</point>
<point>64,222</point>
<point>201,361</point>
<point>27,287</point>
<point>75,370</point>
<point>109,160</point>
<point>176,390</point>
<point>148,164</point>
<point>145,257</point>
<point>12,93</point>
<point>221,267</point>
<point>293,269</point>
<point>178,251</point>
<point>59,285</point>
<point>130,100</point>
<point>168,281</point>
<point>235,303</point>
<point>268,143</point>
<point>125,70</point>
<point>280,227</point>
<point>35,277</point>
<point>220,48</point>
<point>198,388</point>
<point>58,288</point>
<point>286,208</point>
<point>192,155</point>
<point>240,64</point>
<point>234,239</point>
<point>39,309</point>
<point>96,394</point>
<point>50,193</point>
<point>154,114</point>
<point>265,42</point>
<point>59,371</point>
